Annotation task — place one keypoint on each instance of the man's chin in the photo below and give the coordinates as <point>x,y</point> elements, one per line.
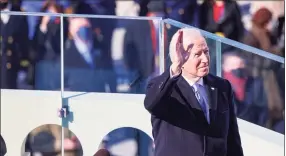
<point>203,73</point>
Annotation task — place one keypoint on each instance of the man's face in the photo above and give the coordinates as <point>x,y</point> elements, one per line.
<point>232,63</point>
<point>198,61</point>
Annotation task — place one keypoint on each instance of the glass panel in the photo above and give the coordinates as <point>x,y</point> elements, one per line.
<point>257,78</point>
<point>172,29</point>
<point>259,87</point>
<point>100,56</point>
<point>30,60</point>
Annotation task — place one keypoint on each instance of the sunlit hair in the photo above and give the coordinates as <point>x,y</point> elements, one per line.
<point>190,33</point>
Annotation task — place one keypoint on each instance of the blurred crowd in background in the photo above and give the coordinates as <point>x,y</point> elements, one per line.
<point>120,55</point>
<point>45,140</point>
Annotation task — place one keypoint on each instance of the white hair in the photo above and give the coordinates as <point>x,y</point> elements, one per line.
<point>188,33</point>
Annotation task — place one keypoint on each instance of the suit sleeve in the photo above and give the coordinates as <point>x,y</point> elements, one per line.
<point>158,93</point>
<point>234,147</point>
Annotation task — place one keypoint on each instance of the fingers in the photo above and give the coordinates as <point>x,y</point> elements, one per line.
<point>180,38</point>
<point>190,46</point>
<point>179,41</point>
<point>187,52</point>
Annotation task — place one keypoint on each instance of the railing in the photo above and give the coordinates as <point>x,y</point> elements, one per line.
<point>68,71</point>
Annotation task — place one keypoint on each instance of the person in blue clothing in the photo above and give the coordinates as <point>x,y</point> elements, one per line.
<point>102,30</point>
<point>14,49</point>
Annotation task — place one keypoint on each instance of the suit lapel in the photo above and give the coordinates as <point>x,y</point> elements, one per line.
<point>212,97</point>
<point>188,93</point>
<point>190,98</point>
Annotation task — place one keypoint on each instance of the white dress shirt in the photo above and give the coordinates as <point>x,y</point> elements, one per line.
<point>192,84</point>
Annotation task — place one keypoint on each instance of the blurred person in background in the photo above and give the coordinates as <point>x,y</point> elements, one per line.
<point>102,30</point>
<point>141,47</point>
<point>259,36</point>
<point>279,34</point>
<point>185,11</point>
<point>249,92</point>
<point>83,59</point>
<point>36,6</point>
<point>47,48</point>
<point>272,72</point>
<point>223,18</point>
<point>14,50</point>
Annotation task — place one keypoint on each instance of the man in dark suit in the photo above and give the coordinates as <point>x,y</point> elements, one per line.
<point>192,110</point>
<point>14,45</point>
<point>83,64</point>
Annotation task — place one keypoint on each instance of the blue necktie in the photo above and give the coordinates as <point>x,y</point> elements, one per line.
<point>201,97</point>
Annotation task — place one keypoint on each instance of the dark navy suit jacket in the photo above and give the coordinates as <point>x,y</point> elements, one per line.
<point>179,125</point>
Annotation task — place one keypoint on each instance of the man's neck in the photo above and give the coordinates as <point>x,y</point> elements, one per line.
<point>190,77</point>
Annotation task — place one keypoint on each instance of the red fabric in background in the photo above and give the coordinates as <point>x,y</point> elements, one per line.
<point>238,84</point>
<point>217,12</point>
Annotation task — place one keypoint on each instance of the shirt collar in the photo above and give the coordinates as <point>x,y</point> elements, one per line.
<point>192,82</point>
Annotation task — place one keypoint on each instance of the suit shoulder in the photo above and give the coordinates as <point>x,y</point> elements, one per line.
<point>154,79</point>
<point>162,77</point>
<point>218,82</point>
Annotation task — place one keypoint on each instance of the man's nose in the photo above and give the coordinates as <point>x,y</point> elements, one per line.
<point>205,58</point>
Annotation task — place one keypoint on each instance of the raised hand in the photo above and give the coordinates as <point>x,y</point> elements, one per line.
<point>180,56</point>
